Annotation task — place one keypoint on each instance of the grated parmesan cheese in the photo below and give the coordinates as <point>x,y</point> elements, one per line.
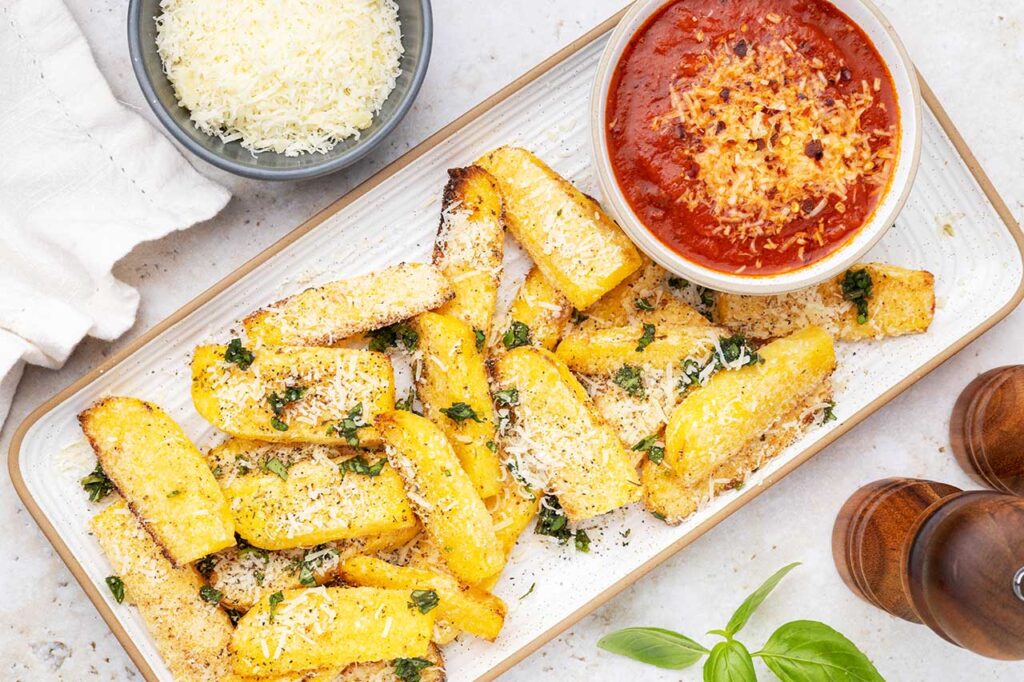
<point>288,76</point>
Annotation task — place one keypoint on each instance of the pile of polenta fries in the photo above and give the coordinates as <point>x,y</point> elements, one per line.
<point>344,532</point>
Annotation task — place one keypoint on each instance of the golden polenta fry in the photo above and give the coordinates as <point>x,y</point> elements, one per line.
<point>902,301</point>
<point>717,420</point>
<point>293,394</point>
<point>672,499</point>
<point>161,475</point>
<point>452,513</point>
<point>190,633</point>
<point>646,296</point>
<point>602,352</point>
<point>465,607</point>
<point>555,441</point>
<point>538,316</point>
<point>304,495</point>
<point>574,243</point>
<point>327,314</point>
<point>470,245</point>
<point>319,627</point>
<point>452,384</point>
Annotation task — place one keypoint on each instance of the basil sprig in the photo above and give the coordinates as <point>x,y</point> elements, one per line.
<point>799,651</point>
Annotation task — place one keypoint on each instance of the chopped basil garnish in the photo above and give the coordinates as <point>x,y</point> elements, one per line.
<point>358,465</point>
<point>392,335</point>
<point>174,493</point>
<point>348,428</point>
<point>208,594</point>
<point>273,601</point>
<point>480,338</point>
<point>424,600</point>
<point>858,288</point>
<point>734,347</point>
<point>238,354</point>
<point>492,446</point>
<point>306,575</point>
<point>409,669</point>
<point>518,334</point>
<point>278,424</point>
<point>460,412</point>
<point>276,466</point>
<point>528,592</point>
<point>116,586</point>
<point>827,413</point>
<point>646,339</point>
<point>643,304</point>
<point>291,395</point>
<point>508,397</point>
<point>678,283</point>
<point>97,484</point>
<point>630,380</point>
<point>206,565</point>
<point>582,541</point>
<point>655,452</point>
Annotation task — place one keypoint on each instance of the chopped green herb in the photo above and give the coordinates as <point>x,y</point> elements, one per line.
<point>174,493</point>
<point>116,586</point>
<point>238,354</point>
<point>480,338</point>
<point>707,301</point>
<point>690,374</point>
<point>245,548</point>
<point>630,379</point>
<point>97,484</point>
<point>278,424</point>
<point>645,443</point>
<point>518,334</point>
<point>528,592</point>
<point>678,283</point>
<point>643,304</point>
<point>858,288</point>
<point>406,403</point>
<point>208,594</point>
<point>551,520</point>
<point>276,466</point>
<point>306,575</point>
<point>656,454</point>
<point>273,601</point>
<point>736,347</point>
<point>358,465</point>
<point>409,669</point>
<point>582,541</point>
<point>492,446</point>
<point>218,471</point>
<point>392,335</point>
<point>646,339</point>
<point>206,565</point>
<point>291,395</point>
<point>234,615</point>
<point>508,397</point>
<point>348,428</point>
<point>827,413</point>
<point>460,412</point>
<point>658,515</point>
<point>578,317</point>
<point>424,600</point>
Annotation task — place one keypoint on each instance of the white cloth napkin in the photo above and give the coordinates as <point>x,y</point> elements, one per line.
<point>82,181</point>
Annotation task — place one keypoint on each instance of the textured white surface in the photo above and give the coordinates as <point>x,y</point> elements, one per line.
<point>959,49</point>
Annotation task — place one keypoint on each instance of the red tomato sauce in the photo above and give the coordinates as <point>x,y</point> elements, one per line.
<point>656,162</point>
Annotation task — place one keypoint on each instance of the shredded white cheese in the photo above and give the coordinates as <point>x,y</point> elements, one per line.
<point>289,76</point>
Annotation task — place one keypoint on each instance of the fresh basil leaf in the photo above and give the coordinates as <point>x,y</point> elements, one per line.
<point>654,646</point>
<point>750,604</point>
<point>460,412</point>
<point>238,354</point>
<point>116,586</point>
<point>424,600</point>
<point>273,601</point>
<point>809,651</point>
<point>518,334</point>
<point>479,337</point>
<point>409,669</point>
<point>209,594</point>
<point>729,661</point>
<point>97,484</point>
<point>276,466</point>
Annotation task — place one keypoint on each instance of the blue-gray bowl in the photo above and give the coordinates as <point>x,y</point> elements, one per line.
<point>417,33</point>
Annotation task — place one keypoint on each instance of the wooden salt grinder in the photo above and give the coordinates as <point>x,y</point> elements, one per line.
<point>986,430</point>
<point>930,553</point>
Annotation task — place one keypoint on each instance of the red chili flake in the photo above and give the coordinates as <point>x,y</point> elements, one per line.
<point>719,127</point>
<point>692,170</point>
<point>808,205</point>
<point>829,102</point>
<point>845,74</point>
<point>814,149</point>
<point>740,49</point>
<point>680,131</point>
<point>724,94</point>
<point>760,144</point>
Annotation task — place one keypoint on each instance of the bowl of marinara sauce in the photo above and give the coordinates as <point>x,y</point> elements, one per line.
<point>755,147</point>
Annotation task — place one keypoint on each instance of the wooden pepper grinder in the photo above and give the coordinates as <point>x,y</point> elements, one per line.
<point>986,430</point>
<point>931,553</point>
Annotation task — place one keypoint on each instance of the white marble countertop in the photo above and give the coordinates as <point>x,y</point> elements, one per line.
<point>971,53</point>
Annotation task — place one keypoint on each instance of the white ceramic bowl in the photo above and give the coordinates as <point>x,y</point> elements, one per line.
<point>889,46</point>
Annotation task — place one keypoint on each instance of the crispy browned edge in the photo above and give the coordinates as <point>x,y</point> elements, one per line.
<point>458,178</point>
<point>91,590</point>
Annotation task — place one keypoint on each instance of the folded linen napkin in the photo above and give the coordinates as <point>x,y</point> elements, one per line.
<point>83,180</point>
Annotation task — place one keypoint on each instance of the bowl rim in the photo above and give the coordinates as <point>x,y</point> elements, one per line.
<point>858,244</point>
<point>317,169</point>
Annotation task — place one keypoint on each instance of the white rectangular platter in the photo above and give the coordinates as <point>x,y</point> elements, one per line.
<point>953,225</point>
